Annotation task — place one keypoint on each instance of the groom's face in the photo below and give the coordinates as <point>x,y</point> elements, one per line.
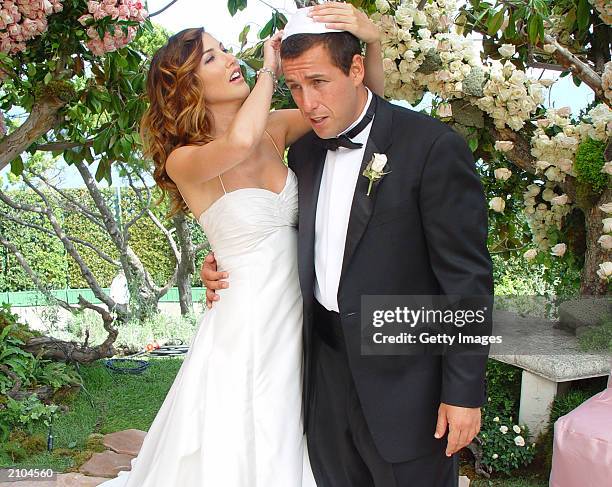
<point>326,96</point>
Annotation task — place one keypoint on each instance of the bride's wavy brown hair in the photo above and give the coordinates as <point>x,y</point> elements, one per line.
<point>177,113</point>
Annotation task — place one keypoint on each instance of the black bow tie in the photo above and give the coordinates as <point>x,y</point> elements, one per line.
<point>344,140</point>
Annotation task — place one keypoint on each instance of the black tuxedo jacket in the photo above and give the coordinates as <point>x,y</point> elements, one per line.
<point>422,231</point>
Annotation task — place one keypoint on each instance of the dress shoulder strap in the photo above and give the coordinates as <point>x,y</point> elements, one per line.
<point>275,146</point>
<point>222,185</point>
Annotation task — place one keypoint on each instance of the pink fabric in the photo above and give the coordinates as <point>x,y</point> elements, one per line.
<point>582,451</point>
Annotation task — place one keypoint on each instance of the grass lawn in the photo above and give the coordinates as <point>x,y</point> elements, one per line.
<point>110,402</point>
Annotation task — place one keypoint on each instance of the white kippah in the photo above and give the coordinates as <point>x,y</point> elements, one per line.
<point>301,23</point>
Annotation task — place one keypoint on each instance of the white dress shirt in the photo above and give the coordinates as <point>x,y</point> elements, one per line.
<point>340,174</point>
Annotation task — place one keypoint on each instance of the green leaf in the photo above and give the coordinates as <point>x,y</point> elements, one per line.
<point>243,35</point>
<point>569,19</point>
<point>47,78</point>
<point>234,5</point>
<point>584,14</point>
<point>577,81</point>
<point>17,166</point>
<point>267,29</point>
<point>495,22</point>
<point>533,28</point>
<point>473,143</point>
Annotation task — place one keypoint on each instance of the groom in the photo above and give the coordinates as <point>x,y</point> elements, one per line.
<point>384,421</point>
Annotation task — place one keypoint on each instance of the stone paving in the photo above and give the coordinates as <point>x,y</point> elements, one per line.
<point>122,447</point>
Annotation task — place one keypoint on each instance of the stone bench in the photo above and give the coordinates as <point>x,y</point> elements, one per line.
<point>550,360</point>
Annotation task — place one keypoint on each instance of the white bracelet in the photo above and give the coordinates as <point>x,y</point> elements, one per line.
<point>271,73</point>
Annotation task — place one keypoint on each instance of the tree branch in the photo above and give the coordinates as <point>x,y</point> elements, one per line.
<point>582,70</point>
<point>43,117</point>
<point>63,145</point>
<point>163,9</point>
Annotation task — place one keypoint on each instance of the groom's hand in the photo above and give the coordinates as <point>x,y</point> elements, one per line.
<point>463,425</point>
<point>212,279</point>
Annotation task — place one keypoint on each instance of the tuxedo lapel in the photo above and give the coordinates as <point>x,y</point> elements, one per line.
<point>379,141</point>
<point>308,197</point>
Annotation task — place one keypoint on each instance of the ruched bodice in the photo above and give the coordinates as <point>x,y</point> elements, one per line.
<point>241,220</point>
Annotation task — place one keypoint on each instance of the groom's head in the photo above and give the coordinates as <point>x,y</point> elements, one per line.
<point>325,75</point>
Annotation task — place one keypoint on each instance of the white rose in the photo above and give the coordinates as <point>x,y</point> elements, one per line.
<point>565,165</point>
<point>498,204</point>
<point>605,270</point>
<point>558,250</point>
<point>495,456</point>
<point>502,173</point>
<point>548,194</point>
<point>564,111</point>
<point>504,145</point>
<point>519,441</point>
<point>607,225</point>
<point>605,241</point>
<point>516,428</point>
<point>507,50</point>
<point>533,190</point>
<point>530,254</point>
<point>503,429</point>
<point>420,18</point>
<point>606,207</point>
<point>542,165</point>
<point>560,200</point>
<point>379,162</point>
<point>496,419</point>
<point>445,110</point>
<point>382,6</point>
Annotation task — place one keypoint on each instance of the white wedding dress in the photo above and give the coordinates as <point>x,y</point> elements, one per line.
<point>232,417</point>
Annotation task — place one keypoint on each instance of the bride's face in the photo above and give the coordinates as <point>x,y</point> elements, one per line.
<point>220,73</point>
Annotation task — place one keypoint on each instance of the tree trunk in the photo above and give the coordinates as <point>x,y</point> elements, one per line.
<point>43,117</point>
<point>590,283</point>
<point>186,265</point>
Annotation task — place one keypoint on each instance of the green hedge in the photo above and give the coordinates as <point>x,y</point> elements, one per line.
<point>47,257</point>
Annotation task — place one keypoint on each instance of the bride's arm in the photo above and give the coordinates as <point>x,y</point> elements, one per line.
<point>184,164</point>
<point>289,125</point>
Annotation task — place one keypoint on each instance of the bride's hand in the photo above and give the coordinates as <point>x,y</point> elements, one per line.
<point>344,16</point>
<point>271,53</point>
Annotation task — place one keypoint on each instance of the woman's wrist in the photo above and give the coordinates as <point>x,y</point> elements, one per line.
<point>269,72</point>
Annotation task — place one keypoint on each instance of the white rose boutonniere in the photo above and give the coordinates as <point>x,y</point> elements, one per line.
<point>374,169</point>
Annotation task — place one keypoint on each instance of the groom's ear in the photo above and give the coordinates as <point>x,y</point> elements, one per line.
<point>357,70</point>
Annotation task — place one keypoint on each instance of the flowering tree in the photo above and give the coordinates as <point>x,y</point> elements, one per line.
<point>548,165</point>
<point>558,162</point>
<point>67,65</point>
<point>65,68</point>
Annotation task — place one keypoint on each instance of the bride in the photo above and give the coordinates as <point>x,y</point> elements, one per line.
<point>232,417</point>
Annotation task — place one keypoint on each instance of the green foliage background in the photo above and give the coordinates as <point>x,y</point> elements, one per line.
<point>46,255</point>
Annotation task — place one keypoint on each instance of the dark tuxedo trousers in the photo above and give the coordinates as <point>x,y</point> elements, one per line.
<point>421,231</point>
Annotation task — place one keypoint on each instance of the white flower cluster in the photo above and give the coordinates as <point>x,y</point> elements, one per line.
<point>544,208</point>
<point>555,155</point>
<point>510,97</point>
<point>597,123</point>
<point>604,9</point>
<point>420,53</point>
<point>606,80</point>
<point>605,240</point>
<point>22,20</point>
